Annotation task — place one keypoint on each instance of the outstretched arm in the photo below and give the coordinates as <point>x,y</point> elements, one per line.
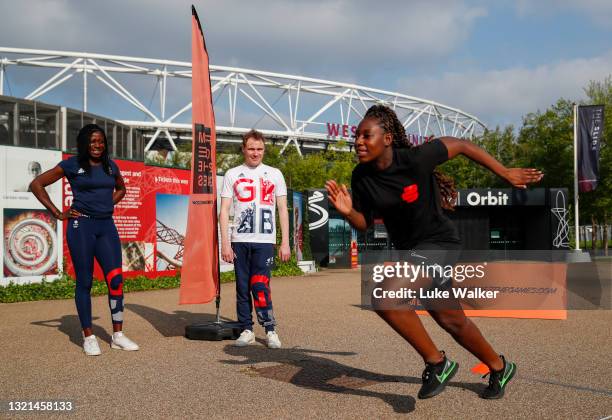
<point>342,201</point>
<point>518,177</point>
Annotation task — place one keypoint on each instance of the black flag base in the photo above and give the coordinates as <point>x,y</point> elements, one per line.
<point>213,331</point>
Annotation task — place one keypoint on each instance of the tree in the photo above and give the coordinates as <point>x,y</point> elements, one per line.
<point>546,142</point>
<point>501,143</point>
<point>311,170</point>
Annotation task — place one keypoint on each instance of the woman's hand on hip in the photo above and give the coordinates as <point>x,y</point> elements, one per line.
<point>69,214</point>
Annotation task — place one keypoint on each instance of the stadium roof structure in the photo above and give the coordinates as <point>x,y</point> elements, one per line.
<point>307,112</point>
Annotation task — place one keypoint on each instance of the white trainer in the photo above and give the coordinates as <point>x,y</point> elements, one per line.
<point>273,341</point>
<point>90,346</point>
<point>121,342</point>
<point>246,337</point>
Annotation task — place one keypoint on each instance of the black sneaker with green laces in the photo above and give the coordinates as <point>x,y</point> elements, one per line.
<point>436,376</point>
<point>498,380</point>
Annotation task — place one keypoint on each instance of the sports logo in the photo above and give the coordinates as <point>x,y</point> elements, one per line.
<point>411,193</point>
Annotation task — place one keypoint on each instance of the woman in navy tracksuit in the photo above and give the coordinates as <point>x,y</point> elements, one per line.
<point>97,186</point>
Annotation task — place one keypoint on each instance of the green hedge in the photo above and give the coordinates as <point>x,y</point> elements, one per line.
<point>63,287</point>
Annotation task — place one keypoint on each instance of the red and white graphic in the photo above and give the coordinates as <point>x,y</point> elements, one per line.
<point>253,192</point>
<point>267,191</point>
<point>30,243</point>
<point>244,190</point>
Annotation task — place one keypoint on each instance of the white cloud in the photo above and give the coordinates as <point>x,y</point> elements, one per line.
<point>598,10</point>
<point>351,41</point>
<point>333,37</point>
<point>348,41</point>
<point>343,32</point>
<point>504,96</point>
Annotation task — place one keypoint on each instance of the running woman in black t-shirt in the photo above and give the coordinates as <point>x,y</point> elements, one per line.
<point>399,183</point>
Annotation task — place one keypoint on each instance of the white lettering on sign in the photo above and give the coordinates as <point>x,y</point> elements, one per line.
<point>499,199</point>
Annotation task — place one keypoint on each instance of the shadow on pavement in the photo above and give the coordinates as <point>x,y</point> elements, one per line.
<point>302,368</point>
<point>71,326</point>
<point>171,324</point>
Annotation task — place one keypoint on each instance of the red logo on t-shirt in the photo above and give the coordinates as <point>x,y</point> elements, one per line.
<point>411,193</point>
<point>244,193</point>
<point>267,191</point>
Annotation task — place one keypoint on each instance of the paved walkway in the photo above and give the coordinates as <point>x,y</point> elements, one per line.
<point>338,361</point>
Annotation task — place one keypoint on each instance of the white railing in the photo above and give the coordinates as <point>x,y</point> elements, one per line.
<point>299,109</point>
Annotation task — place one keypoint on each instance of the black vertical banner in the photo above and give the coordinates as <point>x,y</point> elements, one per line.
<point>318,225</point>
<point>590,127</point>
<point>203,176</point>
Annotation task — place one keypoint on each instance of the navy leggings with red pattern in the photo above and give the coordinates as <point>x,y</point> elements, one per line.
<point>252,267</point>
<point>88,238</point>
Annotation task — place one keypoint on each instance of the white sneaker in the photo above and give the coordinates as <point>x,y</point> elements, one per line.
<point>246,337</point>
<point>121,342</point>
<point>273,341</point>
<point>90,346</point>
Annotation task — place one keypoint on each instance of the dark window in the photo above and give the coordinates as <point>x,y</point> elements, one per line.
<point>27,125</point>
<point>7,119</point>
<point>123,144</point>
<point>47,132</point>
<point>74,122</point>
<point>110,136</point>
<point>137,145</point>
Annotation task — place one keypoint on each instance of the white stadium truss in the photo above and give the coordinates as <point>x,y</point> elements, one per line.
<point>296,109</point>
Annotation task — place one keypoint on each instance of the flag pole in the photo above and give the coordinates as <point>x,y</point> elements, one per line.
<point>218,298</point>
<point>576,198</point>
<point>200,265</point>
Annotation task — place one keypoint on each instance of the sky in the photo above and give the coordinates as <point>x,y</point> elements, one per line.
<point>497,60</point>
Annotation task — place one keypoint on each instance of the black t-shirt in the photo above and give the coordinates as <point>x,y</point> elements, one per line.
<point>406,196</point>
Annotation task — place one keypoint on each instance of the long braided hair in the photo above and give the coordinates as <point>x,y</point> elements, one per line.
<point>388,121</point>
<point>83,139</point>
